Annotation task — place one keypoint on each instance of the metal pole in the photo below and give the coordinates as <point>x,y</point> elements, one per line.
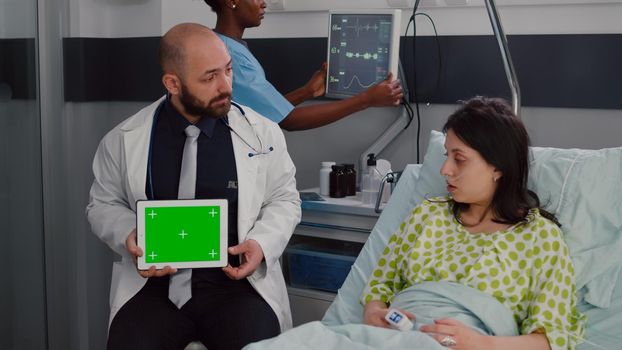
<point>505,54</point>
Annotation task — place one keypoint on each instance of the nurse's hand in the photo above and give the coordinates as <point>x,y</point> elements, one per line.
<point>316,86</point>
<point>136,252</point>
<point>384,94</point>
<point>252,255</point>
<point>375,311</point>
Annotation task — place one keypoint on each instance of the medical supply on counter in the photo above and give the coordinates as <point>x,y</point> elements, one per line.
<point>325,178</point>
<point>318,266</point>
<point>371,180</point>
<point>350,179</point>
<point>398,320</point>
<point>311,197</point>
<point>337,182</point>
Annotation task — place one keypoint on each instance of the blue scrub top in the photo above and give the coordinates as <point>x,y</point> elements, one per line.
<point>250,86</point>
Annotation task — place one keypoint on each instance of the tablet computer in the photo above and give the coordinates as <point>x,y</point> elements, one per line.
<point>182,233</point>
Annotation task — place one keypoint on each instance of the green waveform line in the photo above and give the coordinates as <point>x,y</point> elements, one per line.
<point>365,56</point>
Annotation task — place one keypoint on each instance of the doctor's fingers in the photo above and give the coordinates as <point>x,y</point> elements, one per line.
<point>135,251</point>
<point>233,272</point>
<point>132,247</point>
<point>153,272</point>
<point>244,270</point>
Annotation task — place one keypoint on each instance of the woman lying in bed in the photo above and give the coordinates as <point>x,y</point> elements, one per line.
<point>488,234</point>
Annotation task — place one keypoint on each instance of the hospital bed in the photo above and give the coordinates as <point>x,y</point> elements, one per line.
<point>581,187</point>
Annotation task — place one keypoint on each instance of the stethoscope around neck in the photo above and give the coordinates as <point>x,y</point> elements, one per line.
<point>255,152</point>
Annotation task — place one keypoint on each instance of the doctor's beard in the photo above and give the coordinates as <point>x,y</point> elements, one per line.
<point>195,106</point>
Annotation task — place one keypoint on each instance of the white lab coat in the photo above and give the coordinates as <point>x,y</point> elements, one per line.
<point>268,202</point>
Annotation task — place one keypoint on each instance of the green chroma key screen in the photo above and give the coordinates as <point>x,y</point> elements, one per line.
<point>182,234</point>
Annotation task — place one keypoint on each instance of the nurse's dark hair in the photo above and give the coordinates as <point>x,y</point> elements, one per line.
<point>214,4</point>
<point>489,126</point>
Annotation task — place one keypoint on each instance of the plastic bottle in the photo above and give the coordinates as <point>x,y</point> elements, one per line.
<point>337,182</point>
<point>371,181</point>
<point>350,179</point>
<point>325,178</point>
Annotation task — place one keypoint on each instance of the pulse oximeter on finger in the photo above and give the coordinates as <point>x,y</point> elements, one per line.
<point>398,320</point>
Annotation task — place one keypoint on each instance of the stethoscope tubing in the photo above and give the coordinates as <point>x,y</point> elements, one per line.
<point>153,128</point>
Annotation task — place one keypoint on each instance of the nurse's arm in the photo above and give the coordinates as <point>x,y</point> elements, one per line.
<point>384,94</point>
<point>315,87</point>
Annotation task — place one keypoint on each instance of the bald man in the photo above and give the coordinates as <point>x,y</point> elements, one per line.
<point>241,157</point>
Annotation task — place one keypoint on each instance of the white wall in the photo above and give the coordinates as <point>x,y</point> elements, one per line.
<point>309,18</point>
<point>129,18</point>
<point>114,18</point>
<point>553,127</point>
<point>16,19</point>
<point>345,140</point>
<point>303,18</point>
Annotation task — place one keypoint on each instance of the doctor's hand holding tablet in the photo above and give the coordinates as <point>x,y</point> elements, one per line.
<point>174,234</point>
<point>137,252</point>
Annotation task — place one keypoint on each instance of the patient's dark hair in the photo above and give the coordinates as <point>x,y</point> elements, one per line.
<point>214,4</point>
<point>489,126</point>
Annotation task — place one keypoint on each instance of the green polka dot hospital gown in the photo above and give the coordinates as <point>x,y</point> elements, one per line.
<point>526,267</point>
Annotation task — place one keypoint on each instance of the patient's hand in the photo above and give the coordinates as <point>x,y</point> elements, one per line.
<point>465,337</point>
<point>376,310</point>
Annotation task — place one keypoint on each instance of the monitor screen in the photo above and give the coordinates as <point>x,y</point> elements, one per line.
<point>363,47</point>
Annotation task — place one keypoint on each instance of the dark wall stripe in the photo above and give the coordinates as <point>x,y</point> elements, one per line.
<point>17,69</point>
<point>576,71</point>
<point>119,69</point>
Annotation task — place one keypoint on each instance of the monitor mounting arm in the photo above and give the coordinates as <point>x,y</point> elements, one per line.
<point>398,126</point>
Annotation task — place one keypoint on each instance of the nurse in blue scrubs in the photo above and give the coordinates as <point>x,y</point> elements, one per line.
<point>251,88</point>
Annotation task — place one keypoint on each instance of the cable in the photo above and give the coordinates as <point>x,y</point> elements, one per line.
<point>414,89</point>
<point>582,339</point>
<point>409,109</point>
<point>438,52</point>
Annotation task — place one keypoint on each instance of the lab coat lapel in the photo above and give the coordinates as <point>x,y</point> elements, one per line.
<point>246,168</point>
<point>136,153</point>
<point>136,140</point>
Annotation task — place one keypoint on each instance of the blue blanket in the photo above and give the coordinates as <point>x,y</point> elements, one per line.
<point>428,301</point>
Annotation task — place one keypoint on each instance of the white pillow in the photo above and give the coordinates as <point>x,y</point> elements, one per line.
<point>583,188</point>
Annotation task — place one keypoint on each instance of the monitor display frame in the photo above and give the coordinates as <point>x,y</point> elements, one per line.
<point>394,49</point>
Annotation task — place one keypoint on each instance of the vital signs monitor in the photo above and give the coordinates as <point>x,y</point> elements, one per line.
<point>363,47</point>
